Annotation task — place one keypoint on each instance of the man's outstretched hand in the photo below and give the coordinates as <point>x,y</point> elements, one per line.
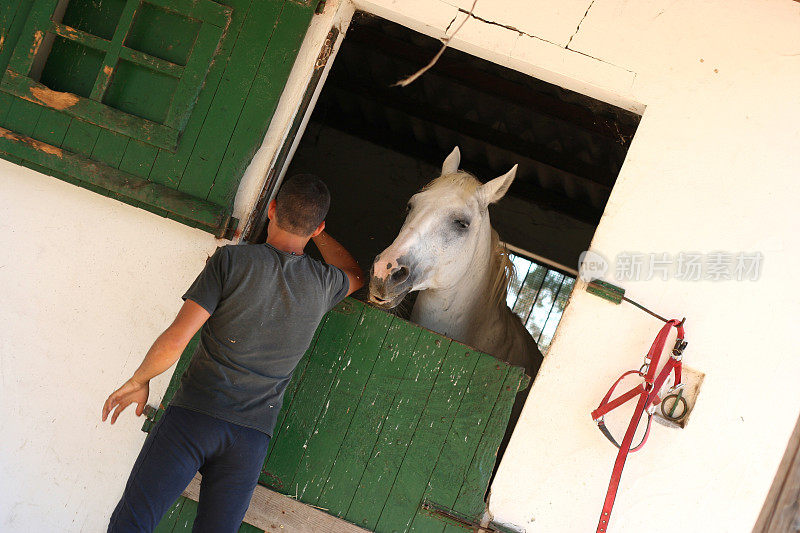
<point>130,392</point>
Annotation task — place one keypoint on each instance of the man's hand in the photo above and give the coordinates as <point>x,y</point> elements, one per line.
<point>131,392</point>
<point>162,354</point>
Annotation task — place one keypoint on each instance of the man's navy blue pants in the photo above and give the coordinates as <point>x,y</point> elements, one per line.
<point>183,442</point>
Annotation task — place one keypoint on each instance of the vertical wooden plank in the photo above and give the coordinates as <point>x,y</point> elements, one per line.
<point>262,100</point>
<point>12,19</point>
<point>80,137</point>
<point>426,445</point>
<point>465,434</point>
<point>138,158</point>
<point>185,519</point>
<point>378,396</point>
<point>471,496</point>
<point>170,518</point>
<point>401,423</point>
<point>110,147</point>
<point>234,87</point>
<point>345,394</point>
<point>312,395</point>
<point>52,126</point>
<point>185,95</point>
<point>22,116</point>
<point>31,35</point>
<point>169,166</point>
<point>5,106</point>
<point>781,510</point>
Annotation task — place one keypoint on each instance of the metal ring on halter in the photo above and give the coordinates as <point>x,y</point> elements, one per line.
<point>678,399</point>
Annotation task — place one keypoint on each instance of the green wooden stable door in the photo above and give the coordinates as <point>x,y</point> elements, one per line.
<point>158,103</point>
<point>382,415</point>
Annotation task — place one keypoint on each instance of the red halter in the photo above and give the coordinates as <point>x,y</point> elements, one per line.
<point>648,393</point>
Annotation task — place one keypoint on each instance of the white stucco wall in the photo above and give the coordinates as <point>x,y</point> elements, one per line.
<point>87,285</point>
<point>88,282</point>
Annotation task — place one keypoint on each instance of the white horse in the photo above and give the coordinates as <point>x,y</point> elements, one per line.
<point>449,252</point>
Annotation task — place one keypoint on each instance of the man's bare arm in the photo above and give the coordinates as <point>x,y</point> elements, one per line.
<point>336,255</point>
<point>162,354</point>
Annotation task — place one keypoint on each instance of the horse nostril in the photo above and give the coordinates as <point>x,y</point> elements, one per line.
<point>400,275</point>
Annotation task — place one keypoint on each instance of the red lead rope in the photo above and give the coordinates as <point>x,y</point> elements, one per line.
<point>648,393</point>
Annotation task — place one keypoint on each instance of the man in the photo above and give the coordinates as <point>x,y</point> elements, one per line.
<point>258,306</point>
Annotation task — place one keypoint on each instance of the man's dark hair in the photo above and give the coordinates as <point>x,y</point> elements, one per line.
<point>302,204</point>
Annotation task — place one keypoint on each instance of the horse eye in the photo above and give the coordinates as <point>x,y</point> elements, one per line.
<point>463,223</point>
<point>408,207</point>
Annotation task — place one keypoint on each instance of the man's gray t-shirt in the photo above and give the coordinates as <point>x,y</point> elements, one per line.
<point>265,305</point>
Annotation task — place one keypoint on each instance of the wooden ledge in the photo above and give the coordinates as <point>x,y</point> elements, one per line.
<point>272,511</point>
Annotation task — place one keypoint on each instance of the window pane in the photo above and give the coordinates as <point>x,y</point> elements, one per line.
<point>555,315</point>
<point>98,17</point>
<point>544,303</point>
<point>164,34</point>
<point>71,67</point>
<point>530,290</point>
<point>140,91</point>
<point>538,295</point>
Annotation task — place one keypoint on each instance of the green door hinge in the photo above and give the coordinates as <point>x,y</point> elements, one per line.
<point>152,415</point>
<point>454,518</point>
<point>230,228</point>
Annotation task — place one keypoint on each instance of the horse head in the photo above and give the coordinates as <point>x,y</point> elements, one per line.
<point>446,229</point>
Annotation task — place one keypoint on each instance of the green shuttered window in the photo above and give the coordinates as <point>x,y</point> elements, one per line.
<point>158,103</point>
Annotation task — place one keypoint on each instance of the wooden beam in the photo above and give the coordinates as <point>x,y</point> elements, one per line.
<point>781,511</point>
<point>538,102</point>
<point>331,115</point>
<point>272,511</point>
<point>80,37</point>
<point>396,99</point>
<point>182,207</point>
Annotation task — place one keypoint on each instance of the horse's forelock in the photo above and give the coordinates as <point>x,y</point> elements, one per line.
<point>464,181</point>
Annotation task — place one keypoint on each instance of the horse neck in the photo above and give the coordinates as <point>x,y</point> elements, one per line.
<point>454,311</point>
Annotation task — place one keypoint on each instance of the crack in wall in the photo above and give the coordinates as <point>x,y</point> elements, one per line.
<point>526,34</point>
<point>451,23</point>
<point>579,25</point>
<point>505,26</point>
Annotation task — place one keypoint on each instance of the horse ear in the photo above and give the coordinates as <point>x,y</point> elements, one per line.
<point>450,165</point>
<point>493,190</point>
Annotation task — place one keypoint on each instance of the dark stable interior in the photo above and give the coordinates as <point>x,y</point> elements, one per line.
<point>376,144</point>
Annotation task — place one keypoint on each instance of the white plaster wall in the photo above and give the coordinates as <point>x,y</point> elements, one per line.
<point>87,284</point>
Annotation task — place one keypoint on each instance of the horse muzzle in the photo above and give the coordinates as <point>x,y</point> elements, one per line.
<point>387,292</point>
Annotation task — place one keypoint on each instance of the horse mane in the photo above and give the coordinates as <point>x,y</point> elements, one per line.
<point>502,271</point>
